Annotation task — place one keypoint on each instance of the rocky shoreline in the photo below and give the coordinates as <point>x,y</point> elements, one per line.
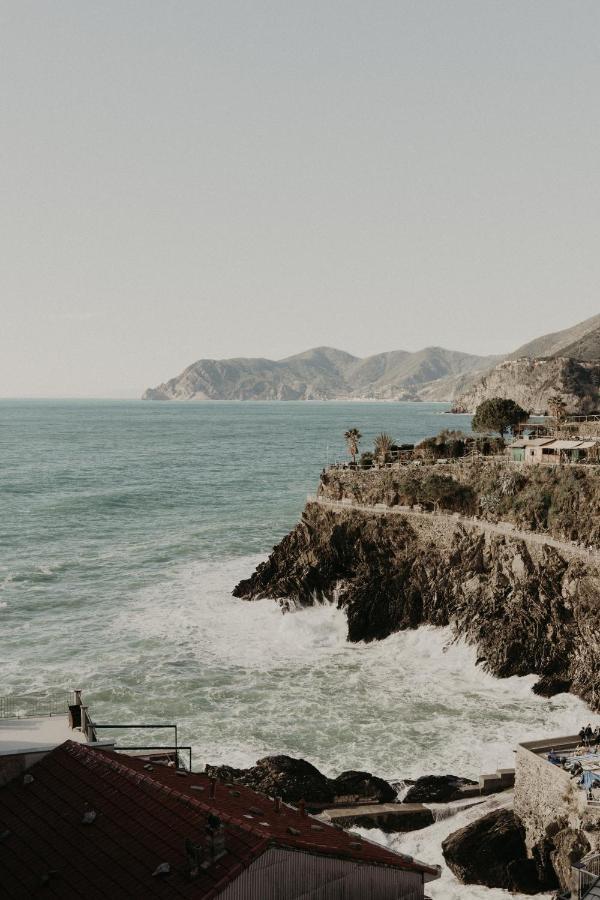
<point>490,851</point>
<point>530,605</point>
<point>529,609</point>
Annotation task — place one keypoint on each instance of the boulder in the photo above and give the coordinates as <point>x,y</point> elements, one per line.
<point>491,851</point>
<point>364,786</point>
<point>437,789</point>
<point>296,779</point>
<point>569,846</point>
<point>281,776</point>
<point>292,779</point>
<point>550,685</point>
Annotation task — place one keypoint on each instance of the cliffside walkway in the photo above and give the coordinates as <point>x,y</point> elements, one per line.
<point>503,528</point>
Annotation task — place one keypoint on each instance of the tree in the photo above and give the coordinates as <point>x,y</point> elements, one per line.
<point>498,415</point>
<point>353,437</point>
<point>557,408</point>
<point>382,447</point>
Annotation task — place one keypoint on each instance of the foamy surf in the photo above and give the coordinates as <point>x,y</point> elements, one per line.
<point>427,844</point>
<point>250,680</point>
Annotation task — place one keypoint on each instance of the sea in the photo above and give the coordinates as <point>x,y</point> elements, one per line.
<point>124,527</point>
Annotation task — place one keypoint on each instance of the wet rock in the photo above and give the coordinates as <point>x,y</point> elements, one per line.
<point>282,776</point>
<point>491,851</point>
<point>550,685</point>
<point>296,779</point>
<point>437,789</point>
<point>391,573</point>
<point>364,786</point>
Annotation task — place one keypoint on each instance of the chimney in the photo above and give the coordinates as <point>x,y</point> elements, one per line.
<point>213,789</point>
<point>277,802</point>
<point>215,840</point>
<point>302,808</point>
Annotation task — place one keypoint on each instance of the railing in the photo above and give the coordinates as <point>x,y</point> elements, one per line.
<point>176,747</point>
<point>30,706</point>
<point>587,872</point>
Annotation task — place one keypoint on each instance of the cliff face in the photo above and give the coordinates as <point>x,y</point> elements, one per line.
<point>531,382</point>
<point>527,607</point>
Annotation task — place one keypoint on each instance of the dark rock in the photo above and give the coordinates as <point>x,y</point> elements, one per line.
<point>568,847</point>
<point>526,609</point>
<point>437,789</point>
<point>296,779</point>
<point>364,786</point>
<point>491,851</point>
<point>400,819</point>
<point>549,685</point>
<point>280,776</point>
<point>224,773</point>
<point>292,779</point>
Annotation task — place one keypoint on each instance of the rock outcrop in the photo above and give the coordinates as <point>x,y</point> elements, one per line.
<point>437,789</point>
<point>296,779</point>
<point>528,607</point>
<point>491,851</point>
<point>531,383</point>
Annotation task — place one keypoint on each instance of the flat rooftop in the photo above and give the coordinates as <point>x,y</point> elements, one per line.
<point>36,733</point>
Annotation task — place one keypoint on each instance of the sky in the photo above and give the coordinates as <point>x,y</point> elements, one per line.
<point>206,178</point>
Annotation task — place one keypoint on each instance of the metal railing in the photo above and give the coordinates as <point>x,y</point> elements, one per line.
<point>33,706</point>
<point>587,873</point>
<point>176,747</point>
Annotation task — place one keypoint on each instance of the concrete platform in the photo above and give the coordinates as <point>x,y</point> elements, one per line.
<point>388,817</point>
<point>34,734</point>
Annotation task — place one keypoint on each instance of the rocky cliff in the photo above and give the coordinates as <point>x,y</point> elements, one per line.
<point>526,606</point>
<point>531,383</point>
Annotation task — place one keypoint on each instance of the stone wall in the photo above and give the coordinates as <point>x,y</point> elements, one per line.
<point>544,795</point>
<point>554,811</point>
<point>559,501</point>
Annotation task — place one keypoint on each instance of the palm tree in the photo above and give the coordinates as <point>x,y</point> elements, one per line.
<point>557,408</point>
<point>352,436</point>
<point>383,445</point>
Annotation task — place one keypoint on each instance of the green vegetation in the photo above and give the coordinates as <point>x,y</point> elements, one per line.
<point>455,444</point>
<point>383,447</point>
<point>498,415</point>
<point>443,492</point>
<point>557,408</point>
<point>353,437</point>
<point>558,500</point>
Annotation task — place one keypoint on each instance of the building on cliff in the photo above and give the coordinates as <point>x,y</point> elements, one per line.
<point>83,819</point>
<point>550,451</point>
<point>559,807</point>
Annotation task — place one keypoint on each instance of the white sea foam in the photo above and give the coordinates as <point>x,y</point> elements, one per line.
<point>426,844</point>
<point>249,679</point>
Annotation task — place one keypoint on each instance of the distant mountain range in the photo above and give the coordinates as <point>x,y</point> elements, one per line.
<point>434,373</point>
<point>325,374</point>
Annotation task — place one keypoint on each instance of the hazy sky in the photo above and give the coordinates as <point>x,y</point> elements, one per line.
<point>190,179</point>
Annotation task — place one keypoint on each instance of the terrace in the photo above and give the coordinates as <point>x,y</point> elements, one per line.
<point>579,759</point>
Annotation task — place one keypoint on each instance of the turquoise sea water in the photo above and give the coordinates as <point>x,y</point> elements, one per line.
<point>124,527</point>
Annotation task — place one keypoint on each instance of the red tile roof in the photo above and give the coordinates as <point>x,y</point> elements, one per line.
<point>143,817</point>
